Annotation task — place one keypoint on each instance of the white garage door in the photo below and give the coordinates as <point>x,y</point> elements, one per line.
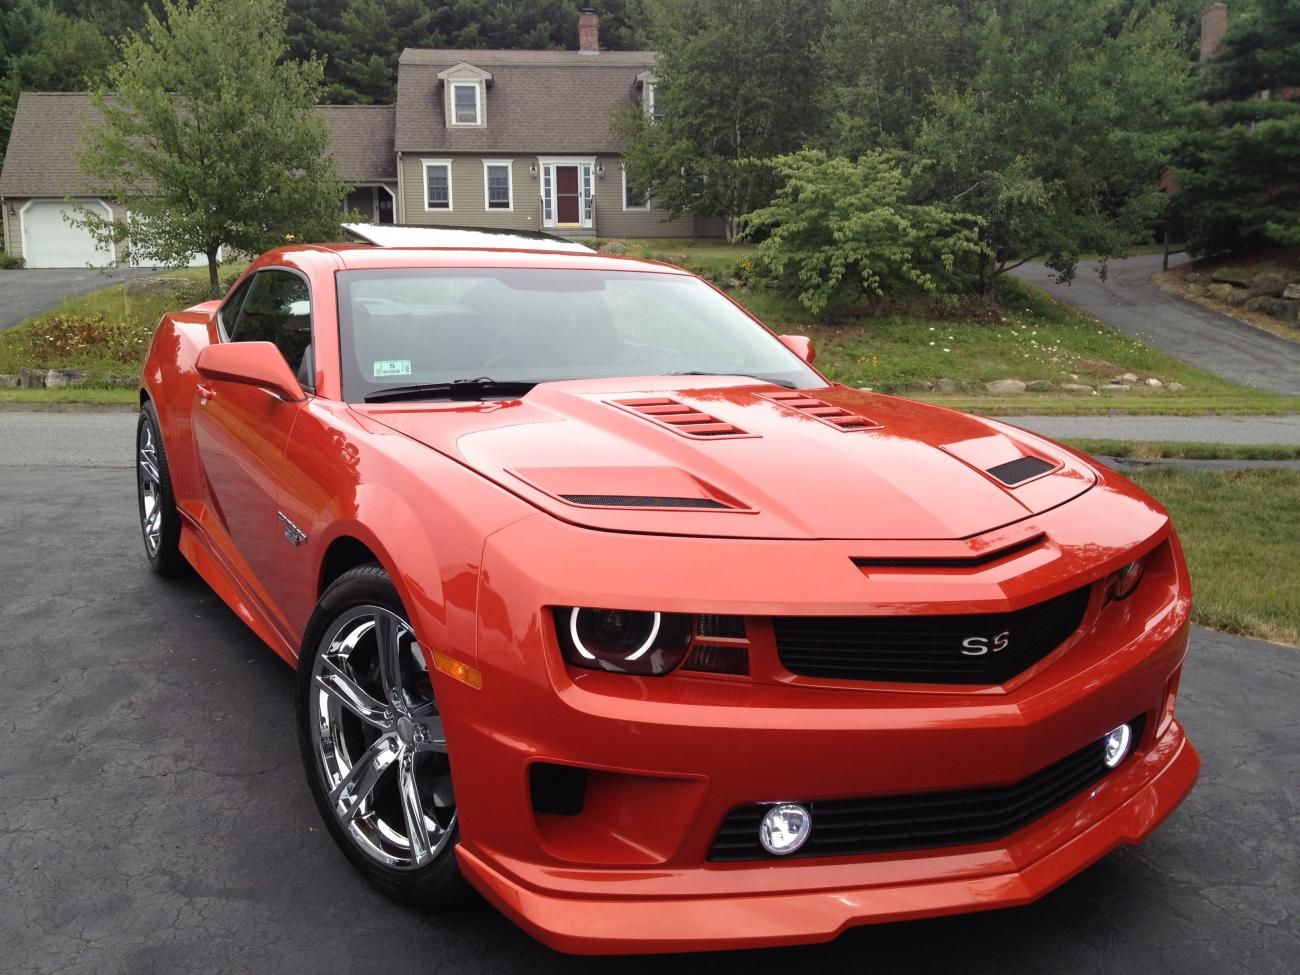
<point>51,241</point>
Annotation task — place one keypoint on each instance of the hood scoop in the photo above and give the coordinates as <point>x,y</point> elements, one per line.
<point>1021,469</point>
<point>637,501</point>
<point>833,416</point>
<point>680,418</point>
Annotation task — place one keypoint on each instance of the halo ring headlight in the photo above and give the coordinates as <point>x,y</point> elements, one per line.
<point>636,655</point>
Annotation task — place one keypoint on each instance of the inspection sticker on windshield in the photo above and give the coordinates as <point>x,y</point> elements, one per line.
<point>392,367</point>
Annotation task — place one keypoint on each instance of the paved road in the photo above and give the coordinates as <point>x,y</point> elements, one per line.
<point>1187,429</point>
<point>34,290</point>
<point>154,817</point>
<point>1205,338</point>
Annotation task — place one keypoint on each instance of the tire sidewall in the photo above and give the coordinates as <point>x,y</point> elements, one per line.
<point>167,561</point>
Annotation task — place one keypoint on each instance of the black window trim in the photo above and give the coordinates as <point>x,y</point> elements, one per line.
<point>311,302</point>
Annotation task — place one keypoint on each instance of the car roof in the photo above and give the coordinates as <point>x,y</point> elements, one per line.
<point>406,235</point>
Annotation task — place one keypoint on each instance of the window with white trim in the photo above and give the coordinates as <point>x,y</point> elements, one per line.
<point>633,199</point>
<point>465,103</point>
<point>437,184</point>
<point>498,188</point>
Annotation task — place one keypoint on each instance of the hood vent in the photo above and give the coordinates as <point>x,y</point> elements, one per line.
<point>832,416</point>
<point>952,561</point>
<point>636,501</point>
<point>680,418</point>
<point>1021,469</point>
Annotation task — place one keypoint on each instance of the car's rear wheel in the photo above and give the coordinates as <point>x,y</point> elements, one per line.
<point>372,741</point>
<point>159,521</point>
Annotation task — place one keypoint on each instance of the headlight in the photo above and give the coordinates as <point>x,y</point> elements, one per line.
<point>623,641</point>
<point>1122,583</point>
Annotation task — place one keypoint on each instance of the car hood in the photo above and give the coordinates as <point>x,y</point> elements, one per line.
<point>731,458</point>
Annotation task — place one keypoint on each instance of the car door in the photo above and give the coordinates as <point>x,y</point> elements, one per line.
<point>240,433</point>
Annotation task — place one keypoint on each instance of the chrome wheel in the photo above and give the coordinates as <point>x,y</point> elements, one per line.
<point>379,741</point>
<point>150,489</point>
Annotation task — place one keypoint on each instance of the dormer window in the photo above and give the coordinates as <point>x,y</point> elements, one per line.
<point>464,101</point>
<point>465,95</point>
<point>647,81</point>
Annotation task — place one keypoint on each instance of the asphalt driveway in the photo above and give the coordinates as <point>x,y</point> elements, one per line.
<point>1127,301</point>
<point>154,816</point>
<point>34,290</point>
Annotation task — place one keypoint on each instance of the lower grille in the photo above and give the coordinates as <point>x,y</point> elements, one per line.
<point>983,648</point>
<point>925,820</point>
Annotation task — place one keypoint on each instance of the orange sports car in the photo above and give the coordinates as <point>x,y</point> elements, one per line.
<point>606,603</point>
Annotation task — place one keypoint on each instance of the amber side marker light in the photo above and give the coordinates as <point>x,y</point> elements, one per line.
<point>454,668</point>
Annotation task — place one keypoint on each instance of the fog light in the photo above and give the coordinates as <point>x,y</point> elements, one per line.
<point>1116,745</point>
<point>785,828</point>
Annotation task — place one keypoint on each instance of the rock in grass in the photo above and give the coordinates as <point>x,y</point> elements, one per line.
<point>32,378</point>
<point>1114,388</point>
<point>62,378</point>
<point>1003,386</point>
<point>1128,377</point>
<point>1075,388</point>
<point>1220,291</point>
<point>1040,386</point>
<point>1270,281</point>
<point>1232,275</point>
<point>8,380</point>
<point>947,386</point>
<point>1292,291</point>
<point>1154,383</point>
<point>1175,387</point>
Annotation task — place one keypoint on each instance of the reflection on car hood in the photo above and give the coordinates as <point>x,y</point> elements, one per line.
<point>726,457</point>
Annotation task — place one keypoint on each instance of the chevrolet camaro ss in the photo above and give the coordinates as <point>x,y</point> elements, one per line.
<point>605,603</point>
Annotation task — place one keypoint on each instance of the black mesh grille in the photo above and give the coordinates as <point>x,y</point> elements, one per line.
<point>928,649</point>
<point>1020,469</point>
<point>714,625</point>
<point>923,820</point>
<point>636,501</point>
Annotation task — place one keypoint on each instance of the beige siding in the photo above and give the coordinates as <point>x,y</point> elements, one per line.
<point>13,236</point>
<point>468,209</point>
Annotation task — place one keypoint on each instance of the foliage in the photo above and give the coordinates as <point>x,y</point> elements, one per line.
<point>1058,138</point>
<point>719,117</point>
<point>838,228</point>
<point>361,40</point>
<point>211,139</point>
<point>1239,161</point>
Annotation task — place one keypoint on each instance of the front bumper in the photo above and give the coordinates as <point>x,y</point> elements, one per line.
<point>666,759</point>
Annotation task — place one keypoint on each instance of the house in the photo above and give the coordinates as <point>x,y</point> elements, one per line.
<point>478,138</point>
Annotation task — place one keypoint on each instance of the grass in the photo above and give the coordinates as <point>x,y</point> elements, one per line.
<point>95,395</point>
<point>1173,450</point>
<point>1242,566</point>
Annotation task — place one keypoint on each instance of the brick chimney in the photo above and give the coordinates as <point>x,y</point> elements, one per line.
<point>589,31</point>
<point>1214,24</point>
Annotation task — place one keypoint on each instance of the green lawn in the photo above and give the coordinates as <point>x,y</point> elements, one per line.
<point>1238,530</point>
<point>1176,450</point>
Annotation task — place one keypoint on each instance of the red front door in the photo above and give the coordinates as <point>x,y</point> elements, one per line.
<point>567,201</point>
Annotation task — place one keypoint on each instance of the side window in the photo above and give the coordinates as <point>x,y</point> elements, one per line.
<point>230,310</point>
<point>278,310</point>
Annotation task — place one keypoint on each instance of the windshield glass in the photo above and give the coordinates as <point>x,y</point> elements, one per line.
<point>438,325</point>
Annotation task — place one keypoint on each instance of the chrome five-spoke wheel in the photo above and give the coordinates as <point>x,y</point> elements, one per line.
<point>150,483</point>
<point>378,738</point>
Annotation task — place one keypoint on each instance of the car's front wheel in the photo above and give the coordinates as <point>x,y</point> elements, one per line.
<point>160,523</point>
<point>372,741</point>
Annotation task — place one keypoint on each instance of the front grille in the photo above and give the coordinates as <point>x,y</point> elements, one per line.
<point>928,649</point>
<point>924,820</point>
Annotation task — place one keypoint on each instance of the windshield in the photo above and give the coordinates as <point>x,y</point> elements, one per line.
<point>409,327</point>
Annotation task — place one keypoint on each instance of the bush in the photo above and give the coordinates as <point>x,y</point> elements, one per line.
<point>70,338</point>
<point>838,230</point>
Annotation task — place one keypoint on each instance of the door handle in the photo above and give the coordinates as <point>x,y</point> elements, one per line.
<point>205,392</point>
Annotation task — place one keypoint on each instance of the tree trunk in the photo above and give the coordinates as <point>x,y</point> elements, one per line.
<point>731,227</point>
<point>214,279</point>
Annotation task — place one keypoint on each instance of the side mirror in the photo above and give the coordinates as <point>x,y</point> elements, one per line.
<point>800,345</point>
<point>253,364</point>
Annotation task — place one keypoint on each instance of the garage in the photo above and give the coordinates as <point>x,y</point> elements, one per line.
<point>51,240</point>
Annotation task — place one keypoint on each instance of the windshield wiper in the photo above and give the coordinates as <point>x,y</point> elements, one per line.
<point>761,379</point>
<point>467,389</point>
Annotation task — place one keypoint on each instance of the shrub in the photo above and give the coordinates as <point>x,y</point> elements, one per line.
<point>69,338</point>
<point>838,230</point>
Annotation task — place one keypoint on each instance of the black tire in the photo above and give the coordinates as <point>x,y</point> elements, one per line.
<point>162,535</point>
<point>435,884</point>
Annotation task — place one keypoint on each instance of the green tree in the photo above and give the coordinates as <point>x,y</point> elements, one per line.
<point>210,137</point>
<point>839,229</point>
<point>1238,163</point>
<point>739,81</point>
<point>1058,138</point>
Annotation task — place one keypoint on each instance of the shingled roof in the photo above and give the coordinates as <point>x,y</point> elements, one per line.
<point>46,140</point>
<point>539,101</point>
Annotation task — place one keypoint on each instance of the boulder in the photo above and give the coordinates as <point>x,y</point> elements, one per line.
<point>923,384</point>
<point>1232,275</point>
<point>1199,278</point>
<point>947,386</point>
<point>1040,386</point>
<point>613,247</point>
<point>1114,388</point>
<point>1154,383</point>
<point>1128,377</point>
<point>1195,290</point>
<point>8,380</point>
<point>1220,291</point>
<point>1075,388</point>
<point>1175,387</point>
<point>124,380</point>
<point>1238,296</point>
<point>32,378</point>
<point>1292,291</point>
<point>1265,304</point>
<point>1003,386</point>
<point>60,378</point>
<point>1269,281</point>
